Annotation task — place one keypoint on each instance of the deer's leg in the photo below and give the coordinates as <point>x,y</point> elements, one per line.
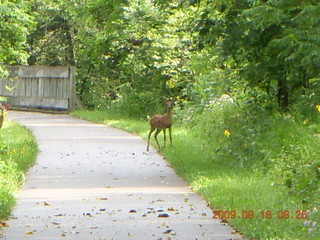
<point>155,136</point>
<point>151,131</point>
<point>1,120</point>
<point>164,137</point>
<point>170,135</point>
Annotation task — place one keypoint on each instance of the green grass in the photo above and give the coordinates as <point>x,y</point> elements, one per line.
<point>18,152</point>
<point>264,167</point>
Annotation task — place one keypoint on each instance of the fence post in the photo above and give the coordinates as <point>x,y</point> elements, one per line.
<point>72,93</point>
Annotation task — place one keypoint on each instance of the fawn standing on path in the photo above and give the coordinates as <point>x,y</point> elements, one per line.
<point>162,122</point>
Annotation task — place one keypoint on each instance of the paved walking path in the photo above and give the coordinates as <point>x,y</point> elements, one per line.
<point>96,182</point>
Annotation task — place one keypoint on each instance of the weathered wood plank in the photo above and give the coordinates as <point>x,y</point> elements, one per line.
<point>38,102</point>
<point>39,72</point>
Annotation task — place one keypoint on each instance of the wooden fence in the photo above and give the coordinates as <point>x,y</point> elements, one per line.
<point>40,87</point>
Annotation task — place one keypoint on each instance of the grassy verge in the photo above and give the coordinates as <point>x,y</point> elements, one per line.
<point>18,151</point>
<point>262,176</point>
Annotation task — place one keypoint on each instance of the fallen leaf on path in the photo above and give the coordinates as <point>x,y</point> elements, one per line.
<point>46,204</point>
<point>3,224</point>
<point>63,235</point>
<point>103,198</point>
<point>163,215</point>
<point>56,223</point>
<point>60,215</point>
<point>224,221</point>
<point>168,231</point>
<point>28,233</point>
<point>235,231</point>
<point>95,228</point>
<point>133,211</point>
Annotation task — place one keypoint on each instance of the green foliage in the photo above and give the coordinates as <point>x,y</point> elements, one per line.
<point>194,50</point>
<point>141,56</point>
<point>170,48</point>
<point>9,179</point>
<point>18,151</point>
<point>269,42</point>
<point>52,42</point>
<point>15,23</point>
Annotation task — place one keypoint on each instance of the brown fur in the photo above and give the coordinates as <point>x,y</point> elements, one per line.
<point>3,109</point>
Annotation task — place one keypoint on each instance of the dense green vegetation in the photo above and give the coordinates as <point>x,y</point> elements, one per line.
<point>245,75</point>
<point>18,151</point>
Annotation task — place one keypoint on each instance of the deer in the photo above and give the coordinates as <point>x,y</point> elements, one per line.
<point>3,109</point>
<point>162,122</point>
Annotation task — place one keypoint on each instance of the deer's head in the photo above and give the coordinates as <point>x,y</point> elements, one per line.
<point>169,103</point>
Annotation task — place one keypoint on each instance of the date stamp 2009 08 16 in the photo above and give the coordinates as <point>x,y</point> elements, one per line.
<point>299,214</point>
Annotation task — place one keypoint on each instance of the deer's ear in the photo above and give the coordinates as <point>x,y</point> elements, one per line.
<point>6,106</point>
<point>164,101</point>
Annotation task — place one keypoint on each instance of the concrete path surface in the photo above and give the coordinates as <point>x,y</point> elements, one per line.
<point>95,182</point>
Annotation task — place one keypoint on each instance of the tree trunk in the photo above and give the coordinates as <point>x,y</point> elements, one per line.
<point>283,95</point>
<point>305,83</point>
<point>71,46</point>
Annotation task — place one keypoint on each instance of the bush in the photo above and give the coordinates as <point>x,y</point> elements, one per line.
<point>18,151</point>
<point>9,179</point>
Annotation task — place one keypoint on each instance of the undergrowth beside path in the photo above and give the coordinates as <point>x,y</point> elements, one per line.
<point>245,177</point>
<point>18,151</point>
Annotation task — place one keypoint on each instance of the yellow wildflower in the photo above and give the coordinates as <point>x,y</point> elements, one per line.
<point>227,133</point>
<point>318,107</point>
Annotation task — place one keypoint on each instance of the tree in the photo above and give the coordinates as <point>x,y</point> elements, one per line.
<point>52,42</point>
<point>15,23</point>
<point>136,53</point>
<point>270,42</point>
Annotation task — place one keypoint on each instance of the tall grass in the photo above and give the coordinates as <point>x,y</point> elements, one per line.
<point>18,152</point>
<point>264,169</point>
